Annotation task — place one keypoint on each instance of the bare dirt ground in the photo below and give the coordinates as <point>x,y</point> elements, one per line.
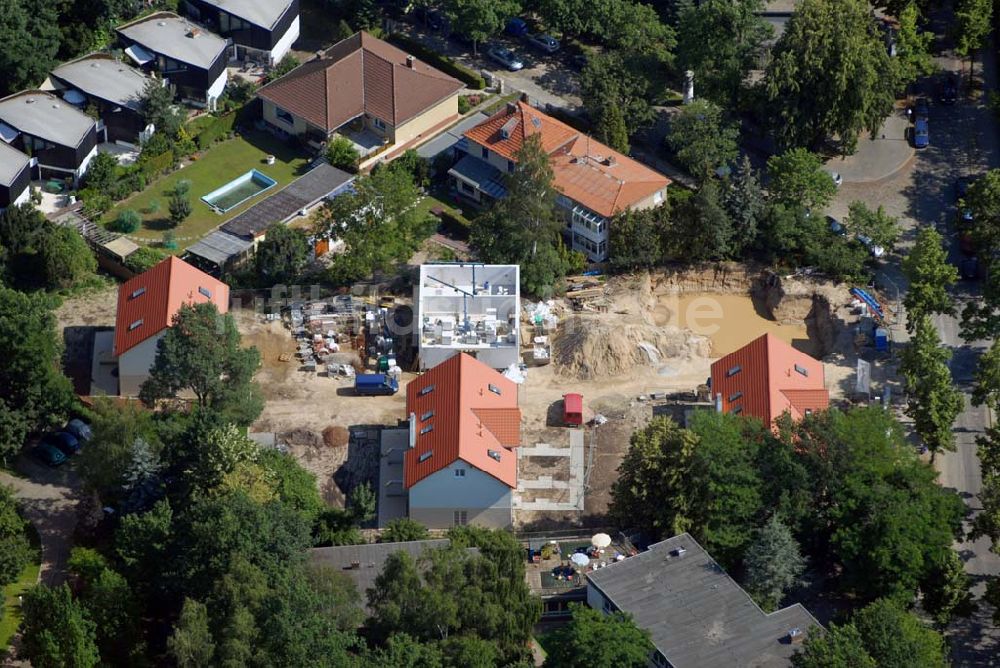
<point>78,318</point>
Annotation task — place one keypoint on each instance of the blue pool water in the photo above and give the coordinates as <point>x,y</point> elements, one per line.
<point>238,190</point>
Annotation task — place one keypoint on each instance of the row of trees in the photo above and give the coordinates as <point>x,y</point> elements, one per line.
<point>843,490</point>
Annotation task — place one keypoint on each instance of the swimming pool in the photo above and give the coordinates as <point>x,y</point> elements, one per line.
<point>238,190</point>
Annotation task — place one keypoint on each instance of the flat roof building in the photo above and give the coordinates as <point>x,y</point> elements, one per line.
<point>259,29</point>
<point>60,136</point>
<point>468,307</point>
<point>696,615</point>
<point>15,177</point>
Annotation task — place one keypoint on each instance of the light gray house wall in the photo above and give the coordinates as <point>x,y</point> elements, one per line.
<point>485,500</point>
<point>133,366</point>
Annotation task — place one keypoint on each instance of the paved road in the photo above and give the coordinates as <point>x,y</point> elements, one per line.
<point>49,500</point>
<point>963,141</point>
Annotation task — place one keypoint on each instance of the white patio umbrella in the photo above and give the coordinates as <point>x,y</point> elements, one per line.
<point>580,559</point>
<point>600,540</point>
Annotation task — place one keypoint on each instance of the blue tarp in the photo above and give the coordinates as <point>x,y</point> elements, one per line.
<point>873,304</point>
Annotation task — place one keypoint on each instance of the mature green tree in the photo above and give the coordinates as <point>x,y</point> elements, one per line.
<point>797,179</point>
<point>102,172</point>
<point>913,47</point>
<point>946,590</point>
<point>971,29</point>
<point>934,402</point>
<point>289,63</point>
<point>468,651</point>
<point>840,647</point>
<point>191,644</point>
<point>282,256</point>
<point>295,486</point>
<point>638,239</point>
<point>340,153</point>
<point>706,231</point>
<point>593,638</point>
<point>896,638</point>
<point>65,258</point>
<point>109,602</point>
<point>610,80</point>
<point>334,526</point>
<point>745,204</point>
<point>610,128</point>
<point>108,461</point>
<point>403,529</point>
<point>930,274</point>
<point>651,492</point>
<point>180,208</point>
<point>479,20</point>
<point>56,632</point>
<point>378,223</point>
<point>15,550</point>
<point>719,40</point>
<point>877,225</point>
<point>142,546</point>
<point>16,57</point>
<point>523,227</point>
<point>34,392</point>
<point>773,564</point>
<point>158,108</point>
<point>828,75</point>
<point>201,352</point>
<point>703,139</point>
<point>362,502</point>
<point>981,318</point>
<point>404,651</point>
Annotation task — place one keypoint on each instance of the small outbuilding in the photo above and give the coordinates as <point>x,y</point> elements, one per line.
<point>573,409</point>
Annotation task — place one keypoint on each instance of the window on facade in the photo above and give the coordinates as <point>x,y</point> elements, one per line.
<point>486,153</point>
<point>494,389</point>
<point>510,166</point>
<point>425,390</point>
<point>426,430</point>
<point>736,410</point>
<point>734,370</point>
<point>459,473</point>
<point>608,606</point>
<point>137,293</point>
<point>284,115</point>
<point>135,325</point>
<point>427,416</point>
<point>424,457</point>
<point>466,188</point>
<point>205,292</point>
<point>658,197</point>
<point>734,396</point>
<point>461,518</point>
<point>377,122</point>
<point>801,369</point>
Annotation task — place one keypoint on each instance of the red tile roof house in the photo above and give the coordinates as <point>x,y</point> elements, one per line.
<point>462,466</point>
<point>366,90</point>
<point>767,377</point>
<point>146,307</point>
<point>595,181</point>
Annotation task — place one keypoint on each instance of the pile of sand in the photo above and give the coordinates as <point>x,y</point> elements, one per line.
<point>336,436</point>
<point>591,349</point>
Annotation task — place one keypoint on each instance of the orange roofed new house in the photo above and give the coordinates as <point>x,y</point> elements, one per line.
<point>146,307</point>
<point>461,467</point>
<point>767,377</point>
<point>595,182</point>
<point>363,89</point>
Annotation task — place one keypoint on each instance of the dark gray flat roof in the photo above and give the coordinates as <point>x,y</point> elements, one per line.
<point>44,115</point>
<point>302,193</point>
<point>168,34</point>
<point>218,247</point>
<point>99,75</point>
<point>263,13</point>
<point>370,558</point>
<point>12,163</point>
<point>697,616</point>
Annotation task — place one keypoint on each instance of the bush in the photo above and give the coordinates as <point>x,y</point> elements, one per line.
<point>144,259</point>
<point>455,225</point>
<point>443,63</point>
<point>340,153</point>
<point>219,129</point>
<point>463,105</point>
<point>128,221</point>
<point>182,187</point>
<point>154,207</point>
<point>180,208</point>
<point>95,204</point>
<point>158,164</point>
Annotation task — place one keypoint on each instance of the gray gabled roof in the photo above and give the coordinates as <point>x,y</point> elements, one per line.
<point>302,193</point>
<point>263,13</point>
<point>168,34</point>
<point>697,616</point>
<point>44,115</point>
<point>12,163</point>
<point>101,76</point>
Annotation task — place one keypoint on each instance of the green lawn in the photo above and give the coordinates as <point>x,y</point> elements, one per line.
<point>216,167</point>
<point>11,608</point>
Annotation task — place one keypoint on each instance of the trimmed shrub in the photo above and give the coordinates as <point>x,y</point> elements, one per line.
<point>219,129</point>
<point>436,60</point>
<point>128,221</point>
<point>157,164</point>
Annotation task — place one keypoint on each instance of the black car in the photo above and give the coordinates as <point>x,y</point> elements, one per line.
<point>969,268</point>
<point>962,187</point>
<point>949,89</point>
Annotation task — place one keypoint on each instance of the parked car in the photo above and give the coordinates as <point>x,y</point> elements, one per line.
<point>949,89</point>
<point>873,248</point>
<point>962,187</point>
<point>544,43</point>
<point>65,441</point>
<point>505,57</point>
<point>969,268</point>
<point>516,27</point>
<point>838,180</point>
<point>966,243</point>
<point>80,429</point>
<point>836,226</point>
<point>921,134</point>
<point>48,454</point>
<point>921,109</point>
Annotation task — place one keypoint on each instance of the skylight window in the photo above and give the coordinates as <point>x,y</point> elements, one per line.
<point>427,416</point>
<point>734,370</point>
<point>135,325</point>
<point>426,430</point>
<point>802,370</point>
<point>424,457</point>
<point>736,410</point>
<point>138,292</point>
<point>494,389</point>
<point>734,396</point>
<point>494,454</point>
<point>425,390</point>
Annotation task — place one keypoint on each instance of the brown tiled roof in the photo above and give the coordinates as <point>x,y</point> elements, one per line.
<point>585,170</point>
<point>360,74</point>
<point>465,420</point>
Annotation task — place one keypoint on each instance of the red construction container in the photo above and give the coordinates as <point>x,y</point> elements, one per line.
<point>573,409</point>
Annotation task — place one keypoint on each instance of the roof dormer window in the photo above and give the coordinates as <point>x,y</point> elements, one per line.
<point>138,292</point>
<point>426,430</point>
<point>135,325</point>
<point>425,390</point>
<point>425,456</point>
<point>734,370</point>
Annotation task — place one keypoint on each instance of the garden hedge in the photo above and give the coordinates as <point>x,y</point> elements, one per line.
<point>220,128</point>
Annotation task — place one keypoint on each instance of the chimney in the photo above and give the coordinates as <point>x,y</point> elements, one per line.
<point>796,636</point>
<point>409,61</point>
<point>194,32</point>
<point>511,108</point>
<point>319,54</point>
<point>610,161</point>
<point>524,98</point>
<point>355,565</point>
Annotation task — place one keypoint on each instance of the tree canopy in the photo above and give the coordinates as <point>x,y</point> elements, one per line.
<point>593,638</point>
<point>797,179</point>
<point>282,256</point>
<point>703,138</point>
<point>930,274</point>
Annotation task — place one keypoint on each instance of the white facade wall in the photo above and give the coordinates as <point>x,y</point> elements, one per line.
<point>215,91</point>
<point>485,500</point>
<point>134,365</point>
<point>284,44</point>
